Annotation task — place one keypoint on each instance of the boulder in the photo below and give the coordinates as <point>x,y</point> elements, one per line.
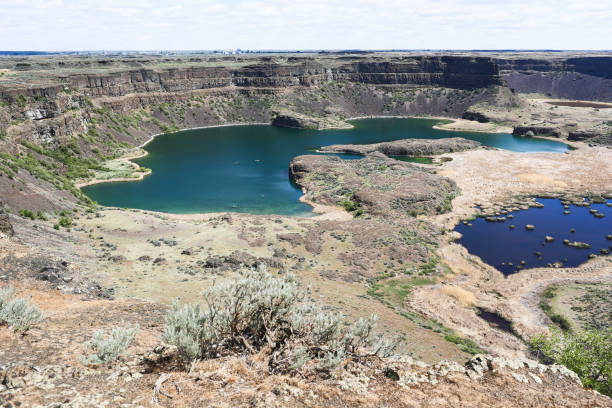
<point>5,225</point>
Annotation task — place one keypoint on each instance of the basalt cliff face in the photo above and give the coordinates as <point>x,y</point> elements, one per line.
<point>582,78</point>
<point>202,73</point>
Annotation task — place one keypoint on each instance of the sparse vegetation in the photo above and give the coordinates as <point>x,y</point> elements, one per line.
<point>108,349</point>
<point>396,289</point>
<point>463,343</point>
<point>587,353</point>
<point>27,214</point>
<point>21,101</point>
<point>260,311</point>
<point>18,313</point>
<point>546,307</point>
<point>65,222</point>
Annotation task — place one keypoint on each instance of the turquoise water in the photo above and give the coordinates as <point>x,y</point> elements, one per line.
<point>245,168</point>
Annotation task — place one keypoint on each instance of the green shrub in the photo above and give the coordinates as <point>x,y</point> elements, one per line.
<point>17,313</point>
<point>463,343</point>
<point>587,353</point>
<point>547,308</point>
<point>561,321</point>
<point>352,206</point>
<point>41,216</point>
<point>27,214</point>
<point>348,205</point>
<point>65,222</point>
<point>261,311</point>
<point>550,292</point>
<point>21,101</point>
<point>107,349</point>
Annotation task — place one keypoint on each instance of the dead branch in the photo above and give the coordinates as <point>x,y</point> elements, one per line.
<point>157,391</point>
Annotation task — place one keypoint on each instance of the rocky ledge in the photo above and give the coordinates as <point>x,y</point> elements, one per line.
<point>285,118</point>
<point>375,185</point>
<point>407,147</point>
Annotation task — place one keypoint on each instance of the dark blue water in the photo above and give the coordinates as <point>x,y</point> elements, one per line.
<point>496,244</point>
<point>245,168</point>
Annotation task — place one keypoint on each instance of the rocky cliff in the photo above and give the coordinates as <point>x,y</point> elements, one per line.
<point>118,78</point>
<point>583,77</point>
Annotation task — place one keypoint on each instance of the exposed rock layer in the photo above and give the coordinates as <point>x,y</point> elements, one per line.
<point>583,78</point>
<point>407,147</point>
<point>443,71</point>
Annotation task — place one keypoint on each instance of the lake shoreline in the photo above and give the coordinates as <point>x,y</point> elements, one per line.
<point>127,159</point>
<point>317,209</point>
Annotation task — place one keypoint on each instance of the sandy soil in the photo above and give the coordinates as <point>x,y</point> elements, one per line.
<point>43,368</point>
<point>487,177</point>
<point>159,257</point>
<point>462,125</point>
<point>326,212</point>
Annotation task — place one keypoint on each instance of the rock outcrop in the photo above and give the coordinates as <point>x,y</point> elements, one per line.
<point>285,118</point>
<point>586,77</point>
<point>121,78</point>
<point>375,185</point>
<point>5,223</point>
<point>407,147</point>
<point>536,131</point>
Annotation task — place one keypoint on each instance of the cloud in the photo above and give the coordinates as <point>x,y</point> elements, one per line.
<point>304,24</point>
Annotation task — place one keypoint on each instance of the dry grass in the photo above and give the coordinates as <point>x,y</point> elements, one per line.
<point>534,178</point>
<point>464,297</point>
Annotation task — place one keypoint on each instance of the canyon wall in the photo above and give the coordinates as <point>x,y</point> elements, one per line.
<point>118,79</point>
<point>582,78</point>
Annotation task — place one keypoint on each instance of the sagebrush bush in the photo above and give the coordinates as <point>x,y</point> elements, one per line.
<point>261,311</point>
<point>107,349</point>
<point>6,294</point>
<point>587,353</point>
<point>18,313</point>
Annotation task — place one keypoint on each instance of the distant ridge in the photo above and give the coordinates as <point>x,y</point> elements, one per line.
<point>271,51</point>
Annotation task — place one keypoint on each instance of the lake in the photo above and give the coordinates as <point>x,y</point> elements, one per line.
<point>245,168</point>
<point>505,248</point>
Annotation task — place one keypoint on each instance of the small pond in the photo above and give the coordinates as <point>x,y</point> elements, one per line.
<point>509,246</point>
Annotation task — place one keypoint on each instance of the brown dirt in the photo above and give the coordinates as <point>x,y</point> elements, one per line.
<point>43,368</point>
<point>581,104</point>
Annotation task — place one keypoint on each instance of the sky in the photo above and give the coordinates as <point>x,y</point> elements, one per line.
<point>61,25</point>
